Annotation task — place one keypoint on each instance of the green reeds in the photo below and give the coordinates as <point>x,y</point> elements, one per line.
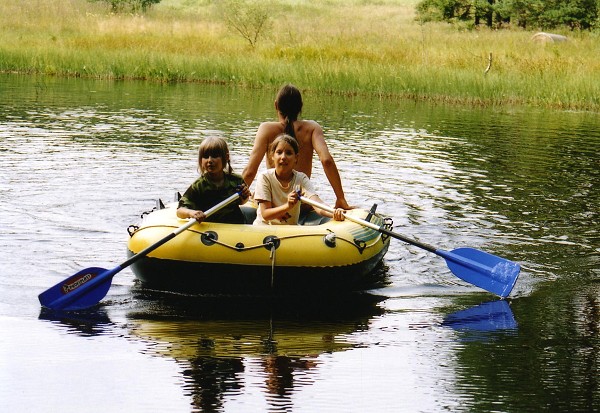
<point>339,46</point>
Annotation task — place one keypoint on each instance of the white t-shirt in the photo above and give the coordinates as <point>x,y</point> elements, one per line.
<point>268,188</point>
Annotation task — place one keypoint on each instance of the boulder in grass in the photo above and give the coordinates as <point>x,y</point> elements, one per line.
<point>543,37</point>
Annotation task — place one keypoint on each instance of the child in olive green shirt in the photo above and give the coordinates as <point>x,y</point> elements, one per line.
<point>213,186</point>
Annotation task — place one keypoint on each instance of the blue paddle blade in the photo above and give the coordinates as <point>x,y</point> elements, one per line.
<point>490,272</point>
<point>80,291</point>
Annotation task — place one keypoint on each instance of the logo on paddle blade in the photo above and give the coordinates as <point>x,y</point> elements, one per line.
<point>76,282</point>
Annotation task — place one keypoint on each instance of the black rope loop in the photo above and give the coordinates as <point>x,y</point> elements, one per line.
<point>132,229</point>
<point>147,212</point>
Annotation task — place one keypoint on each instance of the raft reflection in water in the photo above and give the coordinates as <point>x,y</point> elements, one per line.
<point>227,347</point>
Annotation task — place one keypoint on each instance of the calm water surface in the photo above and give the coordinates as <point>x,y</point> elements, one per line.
<point>80,160</point>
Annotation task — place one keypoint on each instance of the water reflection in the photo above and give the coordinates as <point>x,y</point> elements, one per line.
<point>207,379</point>
<point>225,345</point>
<point>549,362</point>
<point>80,159</point>
<point>88,323</point>
<point>483,321</point>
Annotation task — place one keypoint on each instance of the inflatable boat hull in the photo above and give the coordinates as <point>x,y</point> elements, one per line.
<point>215,258</point>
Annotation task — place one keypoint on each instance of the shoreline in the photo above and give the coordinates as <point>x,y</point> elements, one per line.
<point>352,50</point>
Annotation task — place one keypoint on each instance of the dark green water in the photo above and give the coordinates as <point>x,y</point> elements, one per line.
<point>80,160</point>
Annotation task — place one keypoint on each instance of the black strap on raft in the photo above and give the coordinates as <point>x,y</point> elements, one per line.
<point>143,214</point>
<point>360,244</point>
<point>371,213</point>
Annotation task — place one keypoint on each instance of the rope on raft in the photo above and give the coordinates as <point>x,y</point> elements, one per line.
<point>359,244</point>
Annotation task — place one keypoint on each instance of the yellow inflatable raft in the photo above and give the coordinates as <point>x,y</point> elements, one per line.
<point>215,258</point>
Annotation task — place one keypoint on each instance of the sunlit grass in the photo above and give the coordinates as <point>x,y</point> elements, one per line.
<point>346,47</point>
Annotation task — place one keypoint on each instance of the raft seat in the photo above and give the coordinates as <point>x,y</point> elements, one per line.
<point>249,213</point>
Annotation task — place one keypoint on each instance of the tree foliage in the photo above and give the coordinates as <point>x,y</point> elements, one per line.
<point>134,6</point>
<point>248,18</point>
<point>543,14</point>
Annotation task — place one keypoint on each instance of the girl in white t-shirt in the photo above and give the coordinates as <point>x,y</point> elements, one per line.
<point>275,188</point>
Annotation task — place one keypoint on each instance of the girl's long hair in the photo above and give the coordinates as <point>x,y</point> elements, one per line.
<point>217,148</point>
<point>289,104</point>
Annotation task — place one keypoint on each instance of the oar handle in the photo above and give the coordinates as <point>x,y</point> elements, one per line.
<point>368,224</point>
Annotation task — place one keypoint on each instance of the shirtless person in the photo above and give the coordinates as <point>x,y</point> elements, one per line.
<point>309,135</point>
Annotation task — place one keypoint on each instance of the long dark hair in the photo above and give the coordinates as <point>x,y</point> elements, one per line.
<point>289,104</point>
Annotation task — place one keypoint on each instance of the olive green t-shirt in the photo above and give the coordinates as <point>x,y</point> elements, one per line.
<point>203,195</point>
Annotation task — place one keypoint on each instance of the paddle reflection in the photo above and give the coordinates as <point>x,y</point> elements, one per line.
<point>239,348</point>
<point>478,321</point>
<point>84,323</point>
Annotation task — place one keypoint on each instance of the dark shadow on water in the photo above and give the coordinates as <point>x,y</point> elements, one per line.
<point>164,305</point>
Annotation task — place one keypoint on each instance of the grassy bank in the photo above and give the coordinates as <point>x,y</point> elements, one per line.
<point>338,46</point>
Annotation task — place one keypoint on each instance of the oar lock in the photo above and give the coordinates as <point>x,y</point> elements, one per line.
<point>159,205</point>
<point>388,224</point>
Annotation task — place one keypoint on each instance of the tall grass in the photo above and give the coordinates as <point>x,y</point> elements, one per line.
<point>337,46</point>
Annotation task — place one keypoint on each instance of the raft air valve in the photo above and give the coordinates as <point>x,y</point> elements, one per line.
<point>330,240</point>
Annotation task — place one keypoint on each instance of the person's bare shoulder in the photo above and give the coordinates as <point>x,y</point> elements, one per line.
<point>308,125</point>
<point>313,123</point>
<point>270,128</point>
<point>306,130</point>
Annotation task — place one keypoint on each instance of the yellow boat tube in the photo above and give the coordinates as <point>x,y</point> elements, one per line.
<point>216,258</point>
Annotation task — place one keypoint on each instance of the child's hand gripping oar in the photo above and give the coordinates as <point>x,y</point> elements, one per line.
<point>89,286</point>
<point>490,272</point>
